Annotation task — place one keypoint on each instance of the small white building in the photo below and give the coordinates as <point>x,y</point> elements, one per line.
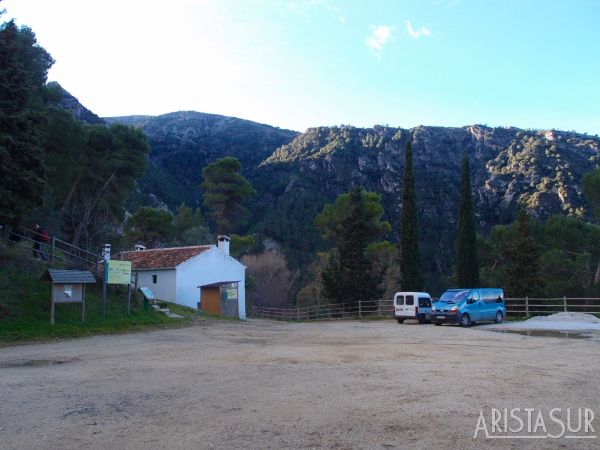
<point>203,276</point>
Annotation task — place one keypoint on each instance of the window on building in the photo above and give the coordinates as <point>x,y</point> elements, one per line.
<point>154,278</point>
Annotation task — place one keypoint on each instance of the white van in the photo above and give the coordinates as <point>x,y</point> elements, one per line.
<point>412,305</point>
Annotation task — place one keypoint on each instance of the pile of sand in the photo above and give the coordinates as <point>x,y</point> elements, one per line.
<point>563,321</point>
<point>567,317</point>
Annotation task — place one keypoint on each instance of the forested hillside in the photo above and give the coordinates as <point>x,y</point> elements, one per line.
<point>511,168</point>
<point>183,142</point>
<point>541,170</point>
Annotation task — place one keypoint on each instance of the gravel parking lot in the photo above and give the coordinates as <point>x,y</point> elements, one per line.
<point>262,384</point>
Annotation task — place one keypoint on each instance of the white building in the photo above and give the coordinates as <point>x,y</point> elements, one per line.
<point>204,276</point>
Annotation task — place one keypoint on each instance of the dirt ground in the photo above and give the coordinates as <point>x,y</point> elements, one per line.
<point>263,384</point>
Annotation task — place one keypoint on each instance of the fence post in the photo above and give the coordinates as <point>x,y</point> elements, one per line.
<point>298,313</point>
<point>379,308</point>
<point>53,249</point>
<point>526,306</point>
<point>565,304</point>
<point>329,310</point>
<point>360,308</point>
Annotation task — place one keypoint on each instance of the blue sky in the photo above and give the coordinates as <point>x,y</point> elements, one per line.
<point>302,63</point>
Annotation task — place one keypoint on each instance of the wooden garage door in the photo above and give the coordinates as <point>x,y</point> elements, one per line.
<point>211,300</point>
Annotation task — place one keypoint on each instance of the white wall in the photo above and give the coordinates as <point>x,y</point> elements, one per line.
<point>164,289</point>
<point>212,266</point>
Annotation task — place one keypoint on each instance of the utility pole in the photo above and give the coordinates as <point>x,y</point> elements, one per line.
<point>106,257</point>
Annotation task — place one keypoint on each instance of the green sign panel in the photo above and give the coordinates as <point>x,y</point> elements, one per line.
<point>118,272</point>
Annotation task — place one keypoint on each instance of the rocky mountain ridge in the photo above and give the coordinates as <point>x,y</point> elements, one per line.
<point>72,104</point>
<point>511,168</point>
<point>295,174</point>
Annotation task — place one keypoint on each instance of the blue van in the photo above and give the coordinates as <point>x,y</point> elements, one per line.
<point>465,306</point>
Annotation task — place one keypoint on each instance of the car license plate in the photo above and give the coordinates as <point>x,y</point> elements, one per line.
<point>441,317</point>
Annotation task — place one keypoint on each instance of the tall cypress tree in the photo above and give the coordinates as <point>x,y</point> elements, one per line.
<point>410,264</point>
<point>467,265</point>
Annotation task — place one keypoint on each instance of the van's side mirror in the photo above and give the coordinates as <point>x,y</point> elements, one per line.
<point>470,301</point>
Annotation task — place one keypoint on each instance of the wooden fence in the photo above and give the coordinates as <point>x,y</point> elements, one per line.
<point>515,307</point>
<point>531,306</point>
<point>364,308</point>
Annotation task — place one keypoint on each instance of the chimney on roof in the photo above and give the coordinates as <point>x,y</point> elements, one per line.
<point>139,247</point>
<point>223,243</point>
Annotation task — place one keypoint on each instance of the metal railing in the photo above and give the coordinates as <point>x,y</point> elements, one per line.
<point>54,250</point>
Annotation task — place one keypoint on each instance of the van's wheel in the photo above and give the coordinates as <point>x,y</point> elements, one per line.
<point>465,320</point>
<point>421,319</point>
<point>400,321</point>
<point>499,317</point>
<point>437,324</point>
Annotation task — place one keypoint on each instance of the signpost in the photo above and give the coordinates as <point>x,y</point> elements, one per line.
<point>106,258</point>
<point>117,272</point>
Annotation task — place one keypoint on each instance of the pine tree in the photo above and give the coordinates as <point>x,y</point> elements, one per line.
<point>348,276</point>
<point>225,191</point>
<point>330,279</point>
<point>410,264</point>
<point>106,172</point>
<point>467,265</point>
<point>149,226</point>
<point>184,219</point>
<point>522,256</point>
<point>24,66</point>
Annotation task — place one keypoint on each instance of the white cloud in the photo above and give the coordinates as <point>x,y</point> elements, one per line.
<point>416,33</point>
<point>378,38</point>
<point>342,19</point>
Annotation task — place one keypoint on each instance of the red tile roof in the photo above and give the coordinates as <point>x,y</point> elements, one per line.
<point>161,258</point>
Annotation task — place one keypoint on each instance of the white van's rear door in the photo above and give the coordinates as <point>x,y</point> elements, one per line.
<point>398,305</point>
<point>409,306</point>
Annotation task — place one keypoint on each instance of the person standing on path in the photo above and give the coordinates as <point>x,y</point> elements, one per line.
<point>38,239</point>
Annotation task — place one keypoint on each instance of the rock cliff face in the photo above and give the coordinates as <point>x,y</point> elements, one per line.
<point>70,103</point>
<point>539,170</point>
